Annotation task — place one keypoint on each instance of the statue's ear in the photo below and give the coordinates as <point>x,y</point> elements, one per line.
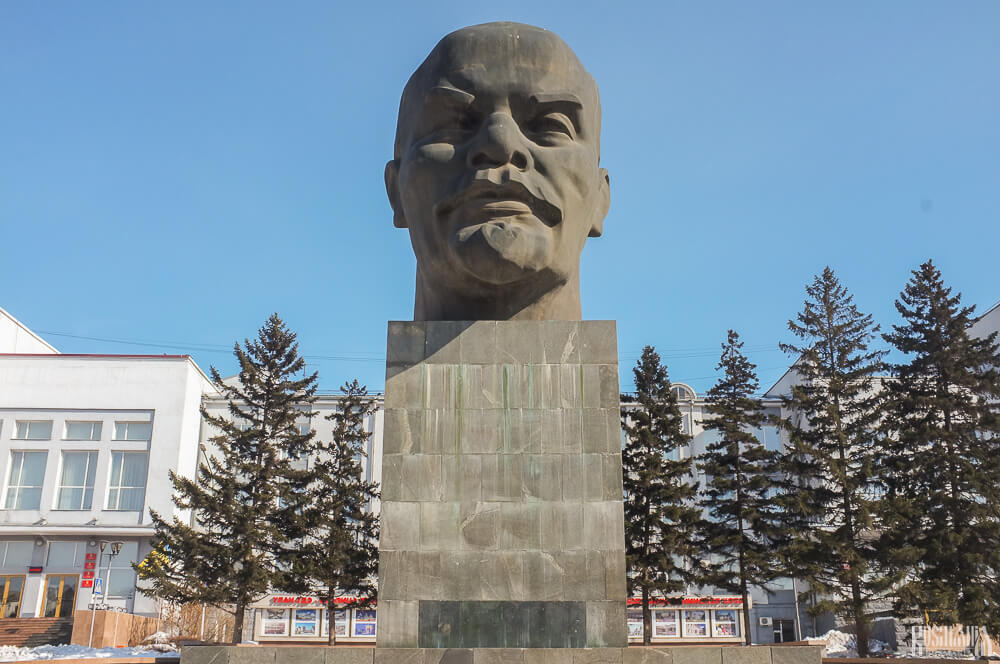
<point>603,203</point>
<point>392,190</point>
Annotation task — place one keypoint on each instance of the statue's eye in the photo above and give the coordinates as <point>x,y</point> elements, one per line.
<point>467,121</point>
<point>552,123</point>
<point>453,127</point>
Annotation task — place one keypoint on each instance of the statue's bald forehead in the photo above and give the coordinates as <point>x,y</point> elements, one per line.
<point>513,44</point>
<point>502,50</point>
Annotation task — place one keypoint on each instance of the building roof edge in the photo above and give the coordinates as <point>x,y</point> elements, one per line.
<point>986,313</point>
<point>114,356</point>
<point>29,331</point>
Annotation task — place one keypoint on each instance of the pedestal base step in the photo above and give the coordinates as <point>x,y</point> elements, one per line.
<point>633,655</point>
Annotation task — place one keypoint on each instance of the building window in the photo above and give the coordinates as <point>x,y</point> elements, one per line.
<point>76,483</point>
<point>781,583</point>
<point>275,622</point>
<point>682,392</point>
<point>633,620</point>
<point>305,622</point>
<point>33,430</point>
<point>364,622</point>
<point>695,623</point>
<point>784,631</point>
<point>133,430</point>
<point>665,623</point>
<point>11,588</point>
<point>340,620</point>
<point>15,554</point>
<point>65,555</point>
<point>83,431</point>
<point>127,487</point>
<point>724,623</point>
<point>60,595</point>
<point>770,437</point>
<point>24,486</point>
<point>120,578</point>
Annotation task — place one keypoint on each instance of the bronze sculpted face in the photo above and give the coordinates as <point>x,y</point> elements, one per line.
<point>496,174</point>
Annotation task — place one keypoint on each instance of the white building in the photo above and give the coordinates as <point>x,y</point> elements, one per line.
<point>315,418</point>
<point>86,443</point>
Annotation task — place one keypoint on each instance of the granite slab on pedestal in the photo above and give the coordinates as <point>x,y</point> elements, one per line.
<point>634,655</point>
<point>502,521</point>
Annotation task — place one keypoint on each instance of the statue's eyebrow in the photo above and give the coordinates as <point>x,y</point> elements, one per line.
<point>450,95</point>
<point>556,98</point>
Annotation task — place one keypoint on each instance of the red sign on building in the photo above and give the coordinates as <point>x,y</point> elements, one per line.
<point>735,602</point>
<point>294,599</point>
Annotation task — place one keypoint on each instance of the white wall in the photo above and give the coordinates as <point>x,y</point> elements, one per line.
<point>322,408</point>
<point>987,324</point>
<point>15,337</point>
<point>164,390</point>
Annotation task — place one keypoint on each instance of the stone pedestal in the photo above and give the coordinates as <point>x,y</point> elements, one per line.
<point>502,522</point>
<point>634,655</point>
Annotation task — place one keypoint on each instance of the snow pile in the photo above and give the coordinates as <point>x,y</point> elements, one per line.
<point>936,654</point>
<point>16,654</point>
<point>841,644</point>
<point>160,642</point>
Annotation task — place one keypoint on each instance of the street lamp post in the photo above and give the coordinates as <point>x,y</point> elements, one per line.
<point>116,548</point>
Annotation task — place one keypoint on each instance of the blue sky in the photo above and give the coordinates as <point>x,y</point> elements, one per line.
<point>171,173</point>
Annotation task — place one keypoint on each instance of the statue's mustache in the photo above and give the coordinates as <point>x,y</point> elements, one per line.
<point>502,184</point>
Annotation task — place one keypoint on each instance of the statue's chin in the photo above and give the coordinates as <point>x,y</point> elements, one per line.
<point>501,252</point>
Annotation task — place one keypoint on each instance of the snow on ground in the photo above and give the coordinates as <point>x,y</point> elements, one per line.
<point>841,644</point>
<point>937,654</point>
<point>16,654</point>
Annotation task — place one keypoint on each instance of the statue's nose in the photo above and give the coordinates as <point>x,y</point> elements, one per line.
<point>500,142</point>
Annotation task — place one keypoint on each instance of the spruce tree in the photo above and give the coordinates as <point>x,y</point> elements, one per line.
<point>660,516</point>
<point>832,417</point>
<point>739,528</point>
<point>940,458</point>
<point>334,550</point>
<point>226,555</point>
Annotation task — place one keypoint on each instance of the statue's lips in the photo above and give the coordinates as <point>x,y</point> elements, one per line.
<point>484,209</point>
<point>483,200</point>
<point>504,207</point>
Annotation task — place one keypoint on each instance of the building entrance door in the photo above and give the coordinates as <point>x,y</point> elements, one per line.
<point>784,631</point>
<point>60,595</point>
<point>10,592</point>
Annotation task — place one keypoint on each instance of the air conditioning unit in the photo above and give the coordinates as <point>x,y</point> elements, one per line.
<point>765,621</point>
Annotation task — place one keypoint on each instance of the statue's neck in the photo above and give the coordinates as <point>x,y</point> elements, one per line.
<point>513,302</point>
